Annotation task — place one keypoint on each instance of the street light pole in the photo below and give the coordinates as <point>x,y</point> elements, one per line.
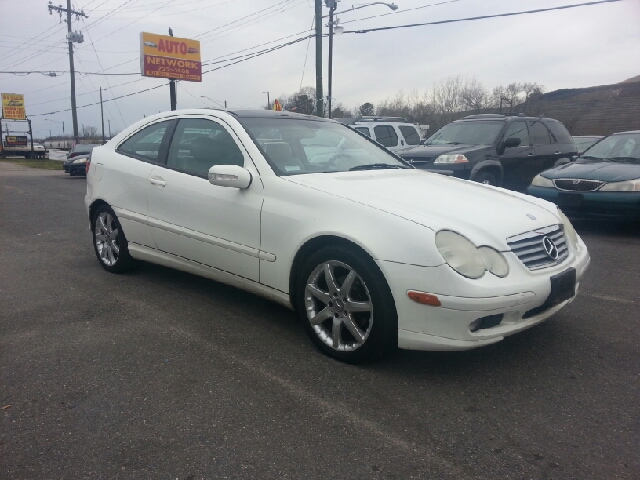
<point>268,101</point>
<point>333,5</point>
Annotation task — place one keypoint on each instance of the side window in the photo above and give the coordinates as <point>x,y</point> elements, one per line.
<point>198,144</point>
<point>539,133</point>
<point>364,131</point>
<point>146,143</point>
<point>559,134</point>
<point>411,135</point>
<point>386,135</point>
<point>518,130</point>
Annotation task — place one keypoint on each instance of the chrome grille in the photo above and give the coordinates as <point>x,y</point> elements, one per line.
<point>578,185</point>
<point>529,247</point>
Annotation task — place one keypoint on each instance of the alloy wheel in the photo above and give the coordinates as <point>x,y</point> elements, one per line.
<point>338,306</point>
<point>106,238</point>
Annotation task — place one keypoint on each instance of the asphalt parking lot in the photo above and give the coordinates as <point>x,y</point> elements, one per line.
<point>161,374</point>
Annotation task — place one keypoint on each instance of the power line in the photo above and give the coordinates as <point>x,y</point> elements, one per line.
<point>482,17</point>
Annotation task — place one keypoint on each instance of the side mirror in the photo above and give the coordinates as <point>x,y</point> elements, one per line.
<point>230,176</point>
<point>508,143</point>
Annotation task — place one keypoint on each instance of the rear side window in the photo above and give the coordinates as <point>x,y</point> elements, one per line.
<point>539,133</point>
<point>411,135</point>
<point>559,134</point>
<point>146,143</point>
<point>386,135</point>
<point>364,131</point>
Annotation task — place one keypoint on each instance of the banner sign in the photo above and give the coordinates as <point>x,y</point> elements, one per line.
<point>162,56</point>
<point>15,141</point>
<point>13,106</point>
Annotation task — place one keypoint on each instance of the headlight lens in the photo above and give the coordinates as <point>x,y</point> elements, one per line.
<point>627,186</point>
<point>81,160</point>
<point>569,231</point>
<point>451,159</point>
<point>540,181</point>
<point>467,259</point>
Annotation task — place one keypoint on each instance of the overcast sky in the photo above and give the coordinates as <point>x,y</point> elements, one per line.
<point>578,47</point>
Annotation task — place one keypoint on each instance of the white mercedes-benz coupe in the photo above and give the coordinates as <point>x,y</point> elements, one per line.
<point>372,253</point>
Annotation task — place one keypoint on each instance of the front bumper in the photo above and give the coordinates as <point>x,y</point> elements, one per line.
<point>515,298</point>
<point>615,205</point>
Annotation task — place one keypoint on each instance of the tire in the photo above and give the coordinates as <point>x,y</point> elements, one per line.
<point>109,242</point>
<point>486,178</point>
<point>339,289</point>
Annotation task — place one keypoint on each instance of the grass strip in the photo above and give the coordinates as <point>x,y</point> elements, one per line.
<point>43,164</point>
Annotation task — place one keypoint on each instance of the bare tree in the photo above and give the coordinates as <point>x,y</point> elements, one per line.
<point>89,131</point>
<point>474,96</point>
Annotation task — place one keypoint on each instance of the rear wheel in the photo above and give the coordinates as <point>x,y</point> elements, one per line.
<point>346,305</point>
<point>109,241</point>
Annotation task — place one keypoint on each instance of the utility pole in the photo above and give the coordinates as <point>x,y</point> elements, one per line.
<point>102,115</point>
<point>172,84</point>
<point>109,120</point>
<point>71,37</point>
<point>332,4</point>
<point>268,101</point>
<point>319,96</point>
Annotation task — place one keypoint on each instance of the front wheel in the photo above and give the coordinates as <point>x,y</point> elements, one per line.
<point>486,178</point>
<point>346,305</point>
<point>109,241</point>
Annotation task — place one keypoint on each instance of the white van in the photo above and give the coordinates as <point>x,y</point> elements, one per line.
<point>394,133</point>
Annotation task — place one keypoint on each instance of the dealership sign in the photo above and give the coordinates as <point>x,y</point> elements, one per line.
<point>162,56</point>
<point>15,141</point>
<point>13,106</point>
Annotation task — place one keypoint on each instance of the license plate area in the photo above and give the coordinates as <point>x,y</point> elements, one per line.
<point>569,199</point>
<point>563,287</point>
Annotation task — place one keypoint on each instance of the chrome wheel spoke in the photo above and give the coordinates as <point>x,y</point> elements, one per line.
<point>115,247</point>
<point>348,283</point>
<point>101,237</point>
<point>336,332</point>
<point>330,279</point>
<point>113,235</point>
<point>354,329</point>
<point>321,295</point>
<point>353,306</point>
<point>321,316</point>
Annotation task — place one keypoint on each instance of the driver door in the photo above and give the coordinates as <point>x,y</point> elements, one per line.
<point>191,218</point>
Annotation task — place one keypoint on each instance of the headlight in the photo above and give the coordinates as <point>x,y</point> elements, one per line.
<point>540,181</point>
<point>80,160</point>
<point>467,259</point>
<point>451,159</point>
<point>627,186</point>
<point>569,231</point>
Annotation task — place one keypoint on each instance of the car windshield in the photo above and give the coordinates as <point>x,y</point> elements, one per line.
<point>583,143</point>
<point>83,148</point>
<point>295,146</point>
<point>471,133</point>
<point>618,148</point>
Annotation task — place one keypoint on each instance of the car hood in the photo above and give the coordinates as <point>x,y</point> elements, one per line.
<point>433,151</point>
<point>594,170</point>
<point>486,215</point>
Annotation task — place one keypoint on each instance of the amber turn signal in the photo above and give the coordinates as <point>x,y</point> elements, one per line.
<point>424,298</point>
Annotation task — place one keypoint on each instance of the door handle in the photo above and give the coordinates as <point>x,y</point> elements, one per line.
<point>530,155</point>
<point>157,181</point>
<point>558,153</point>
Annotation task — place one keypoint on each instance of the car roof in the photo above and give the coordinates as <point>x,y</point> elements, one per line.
<point>271,114</point>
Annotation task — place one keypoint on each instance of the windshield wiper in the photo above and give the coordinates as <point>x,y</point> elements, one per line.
<point>624,159</point>
<point>375,166</point>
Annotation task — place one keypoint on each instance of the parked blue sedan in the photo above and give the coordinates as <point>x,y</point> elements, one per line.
<point>603,182</point>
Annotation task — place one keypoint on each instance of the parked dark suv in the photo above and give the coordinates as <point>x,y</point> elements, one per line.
<point>495,149</point>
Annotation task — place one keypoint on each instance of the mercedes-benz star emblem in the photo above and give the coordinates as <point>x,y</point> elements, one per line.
<point>550,248</point>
